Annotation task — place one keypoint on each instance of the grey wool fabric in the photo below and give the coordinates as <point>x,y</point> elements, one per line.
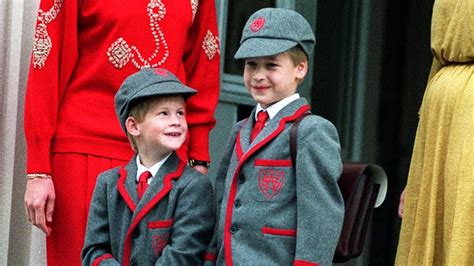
<point>270,212</point>
<point>271,31</point>
<point>171,225</point>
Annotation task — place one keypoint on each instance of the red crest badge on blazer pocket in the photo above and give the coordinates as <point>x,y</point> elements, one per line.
<point>270,182</point>
<point>159,242</point>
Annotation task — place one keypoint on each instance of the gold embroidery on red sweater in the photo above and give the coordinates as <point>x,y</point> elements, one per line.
<point>194,6</point>
<point>42,42</point>
<point>120,52</point>
<point>210,45</point>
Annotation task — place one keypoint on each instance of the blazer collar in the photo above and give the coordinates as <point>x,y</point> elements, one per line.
<point>271,126</point>
<point>127,184</point>
<point>157,183</point>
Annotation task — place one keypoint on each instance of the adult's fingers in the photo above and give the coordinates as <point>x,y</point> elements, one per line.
<point>30,213</point>
<point>50,209</point>
<point>40,220</point>
<point>39,203</point>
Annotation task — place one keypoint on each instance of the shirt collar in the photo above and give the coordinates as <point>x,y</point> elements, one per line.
<point>153,170</point>
<point>273,109</point>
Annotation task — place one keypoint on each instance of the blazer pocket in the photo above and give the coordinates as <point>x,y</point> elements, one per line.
<point>278,231</point>
<point>274,180</point>
<point>159,235</point>
<point>160,224</point>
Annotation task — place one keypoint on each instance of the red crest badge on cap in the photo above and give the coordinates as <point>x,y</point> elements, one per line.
<point>257,24</point>
<point>161,72</point>
<point>270,182</point>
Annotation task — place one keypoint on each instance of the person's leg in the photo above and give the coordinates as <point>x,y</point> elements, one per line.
<point>74,177</point>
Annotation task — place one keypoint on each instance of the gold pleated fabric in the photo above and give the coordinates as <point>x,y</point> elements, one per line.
<point>438,225</point>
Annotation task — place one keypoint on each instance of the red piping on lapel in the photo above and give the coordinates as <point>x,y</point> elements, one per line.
<point>233,186</point>
<point>167,185</point>
<point>123,191</point>
<point>238,147</point>
<point>272,162</point>
<point>98,260</point>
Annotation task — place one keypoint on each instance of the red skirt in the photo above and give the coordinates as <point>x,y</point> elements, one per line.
<point>74,177</point>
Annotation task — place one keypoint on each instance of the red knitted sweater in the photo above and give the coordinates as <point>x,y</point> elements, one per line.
<point>84,49</point>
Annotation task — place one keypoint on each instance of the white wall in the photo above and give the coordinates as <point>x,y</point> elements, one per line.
<point>20,244</point>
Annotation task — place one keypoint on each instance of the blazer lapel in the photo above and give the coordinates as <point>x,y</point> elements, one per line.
<point>127,185</point>
<point>245,131</point>
<point>157,183</point>
<point>273,126</point>
<point>160,185</point>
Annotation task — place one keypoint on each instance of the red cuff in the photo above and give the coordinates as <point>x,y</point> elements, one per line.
<point>38,157</point>
<point>198,146</point>
<point>98,260</point>
<point>304,263</point>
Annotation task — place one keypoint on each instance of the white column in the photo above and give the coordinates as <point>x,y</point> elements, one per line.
<point>20,245</point>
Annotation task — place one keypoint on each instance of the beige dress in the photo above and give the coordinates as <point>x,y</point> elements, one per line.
<point>438,224</point>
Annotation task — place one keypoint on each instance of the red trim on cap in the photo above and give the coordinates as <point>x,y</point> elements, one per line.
<point>271,162</point>
<point>233,185</point>
<point>98,260</point>
<point>161,72</point>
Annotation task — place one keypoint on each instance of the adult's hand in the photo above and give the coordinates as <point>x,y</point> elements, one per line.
<point>202,169</point>
<point>400,205</point>
<point>39,203</point>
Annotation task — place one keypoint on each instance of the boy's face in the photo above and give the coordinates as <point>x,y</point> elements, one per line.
<point>164,126</point>
<point>272,78</point>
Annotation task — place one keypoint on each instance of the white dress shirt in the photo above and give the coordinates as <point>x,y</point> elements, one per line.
<point>153,170</point>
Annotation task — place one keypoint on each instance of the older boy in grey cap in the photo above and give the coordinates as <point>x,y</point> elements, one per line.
<point>155,210</point>
<point>274,211</point>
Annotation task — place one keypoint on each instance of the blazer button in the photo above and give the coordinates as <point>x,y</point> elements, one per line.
<point>237,203</point>
<point>135,234</point>
<point>234,229</point>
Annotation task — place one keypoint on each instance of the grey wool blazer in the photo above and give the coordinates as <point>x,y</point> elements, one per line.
<point>171,225</point>
<point>269,212</point>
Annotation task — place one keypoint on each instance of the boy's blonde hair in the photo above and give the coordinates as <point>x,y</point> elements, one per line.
<point>297,55</point>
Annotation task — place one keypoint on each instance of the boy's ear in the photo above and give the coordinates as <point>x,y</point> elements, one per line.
<point>301,69</point>
<point>131,124</point>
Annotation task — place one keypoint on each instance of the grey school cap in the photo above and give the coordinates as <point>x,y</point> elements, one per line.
<point>271,31</point>
<point>145,83</point>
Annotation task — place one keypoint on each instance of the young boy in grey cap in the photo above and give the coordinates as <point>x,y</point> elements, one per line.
<point>155,210</point>
<point>273,213</point>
